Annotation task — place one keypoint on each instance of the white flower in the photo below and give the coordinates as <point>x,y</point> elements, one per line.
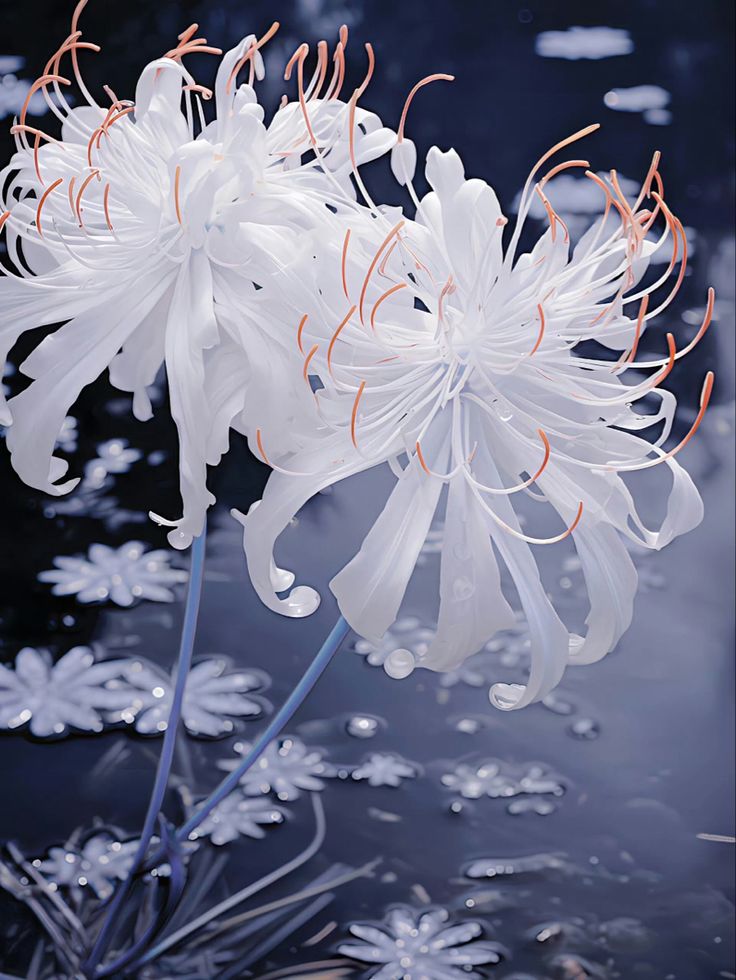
<point>285,768</point>
<point>113,456</point>
<point>159,238</point>
<point>211,694</point>
<point>497,780</point>
<point>422,945</point>
<point>443,355</point>
<point>383,769</point>
<point>50,698</point>
<point>121,575</point>
<point>239,816</point>
<point>98,864</point>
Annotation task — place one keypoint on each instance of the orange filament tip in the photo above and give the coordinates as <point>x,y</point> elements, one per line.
<point>560,167</point>
<point>422,463</point>
<point>383,298</point>
<point>535,348</point>
<point>301,52</point>
<point>299,332</point>
<point>354,416</point>
<point>343,262</point>
<point>547,452</point>
<point>336,334</point>
<point>394,231</point>
<point>3,218</point>
<point>41,203</point>
<point>177,180</point>
<point>85,184</point>
<point>106,206</point>
<point>580,134</point>
<point>309,357</point>
<point>439,77</point>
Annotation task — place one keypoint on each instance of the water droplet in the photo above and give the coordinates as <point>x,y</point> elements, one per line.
<point>399,663</point>
<point>470,726</point>
<point>585,728</point>
<point>462,588</point>
<point>362,726</point>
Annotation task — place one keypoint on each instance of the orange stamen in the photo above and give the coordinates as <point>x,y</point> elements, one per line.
<point>425,81</point>
<point>250,53</point>
<point>384,296</point>
<point>299,332</point>
<point>637,332</point>
<point>354,416</point>
<point>560,167</point>
<point>335,335</point>
<point>41,82</point>
<point>422,463</point>
<point>106,205</point>
<point>3,218</point>
<point>535,348</point>
<point>394,231</point>
<point>704,400</point>
<point>82,189</point>
<point>177,179</point>
<point>369,73</point>
<point>309,357</point>
<point>581,133</point>
<point>42,201</point>
<point>344,258</point>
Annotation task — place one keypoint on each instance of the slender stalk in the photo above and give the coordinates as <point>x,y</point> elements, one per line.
<point>186,647</point>
<point>282,717</point>
<point>233,900</point>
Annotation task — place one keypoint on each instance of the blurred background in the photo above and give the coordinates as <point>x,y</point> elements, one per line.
<point>589,836</point>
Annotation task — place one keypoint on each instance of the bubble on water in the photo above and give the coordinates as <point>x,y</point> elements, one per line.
<point>469,726</point>
<point>399,664</point>
<point>585,729</point>
<point>362,726</point>
<point>507,867</point>
<point>541,807</point>
<point>553,702</point>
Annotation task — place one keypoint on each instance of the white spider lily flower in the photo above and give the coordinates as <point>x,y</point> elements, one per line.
<point>158,239</point>
<point>460,367</point>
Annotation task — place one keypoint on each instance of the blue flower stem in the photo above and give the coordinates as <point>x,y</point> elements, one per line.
<point>282,717</point>
<point>186,647</point>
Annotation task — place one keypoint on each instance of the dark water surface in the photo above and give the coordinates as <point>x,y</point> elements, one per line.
<point>639,747</point>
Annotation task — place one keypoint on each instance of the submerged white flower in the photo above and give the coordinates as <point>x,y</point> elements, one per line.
<point>97,864</point>
<point>423,945</point>
<point>121,575</point>
<point>441,353</point>
<point>384,769</point>
<point>286,768</point>
<point>162,239</point>
<point>50,698</point>
<point>113,456</point>
<point>239,816</point>
<point>212,693</point>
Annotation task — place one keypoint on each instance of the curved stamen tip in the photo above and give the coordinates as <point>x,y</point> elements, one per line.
<point>177,181</point>
<point>299,332</point>
<point>307,360</point>
<point>354,416</point>
<point>438,77</point>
